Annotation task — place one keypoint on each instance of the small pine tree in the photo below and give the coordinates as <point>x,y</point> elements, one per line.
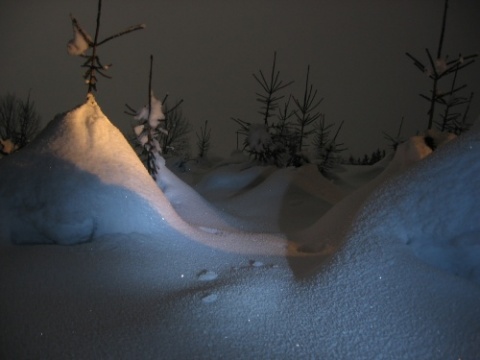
<point>305,116</point>
<point>19,123</point>
<point>160,131</point>
<point>269,99</point>
<point>151,123</point>
<point>351,160</point>
<point>376,156</point>
<point>451,119</point>
<point>203,140</point>
<point>328,150</point>
<point>365,160</point>
<point>147,132</point>
<point>175,139</point>
<point>263,141</point>
<point>439,69</point>
<point>460,124</point>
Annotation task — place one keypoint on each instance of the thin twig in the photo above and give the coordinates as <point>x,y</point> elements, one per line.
<point>179,102</point>
<point>150,87</point>
<point>442,33</point>
<point>131,111</point>
<point>126,31</point>
<point>91,77</point>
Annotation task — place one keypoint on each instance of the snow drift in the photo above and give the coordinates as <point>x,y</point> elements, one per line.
<point>382,278</point>
<point>78,180</point>
<point>434,207</point>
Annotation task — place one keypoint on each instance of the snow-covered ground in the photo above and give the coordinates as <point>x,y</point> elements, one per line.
<point>235,260</point>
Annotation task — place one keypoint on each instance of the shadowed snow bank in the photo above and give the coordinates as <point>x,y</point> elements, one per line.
<point>433,208</point>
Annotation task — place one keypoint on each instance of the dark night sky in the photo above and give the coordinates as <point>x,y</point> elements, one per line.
<point>206,51</point>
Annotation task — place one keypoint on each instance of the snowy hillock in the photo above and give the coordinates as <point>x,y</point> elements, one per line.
<point>361,288</point>
<point>386,271</point>
<point>433,207</point>
<point>78,180</point>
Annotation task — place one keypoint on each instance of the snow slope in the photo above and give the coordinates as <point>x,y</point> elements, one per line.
<point>434,208</point>
<point>80,179</point>
<point>265,198</point>
<point>365,288</point>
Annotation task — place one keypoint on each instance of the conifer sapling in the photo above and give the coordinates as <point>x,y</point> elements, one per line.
<point>150,124</point>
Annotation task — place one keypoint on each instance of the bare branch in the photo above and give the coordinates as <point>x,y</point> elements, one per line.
<point>124,32</point>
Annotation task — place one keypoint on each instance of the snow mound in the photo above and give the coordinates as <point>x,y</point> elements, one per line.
<point>371,297</point>
<point>78,180</point>
<point>433,207</point>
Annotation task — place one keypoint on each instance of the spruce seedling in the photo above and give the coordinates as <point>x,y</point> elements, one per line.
<point>305,111</point>
<point>271,87</point>
<point>203,140</point>
<point>461,125</point>
<point>175,139</point>
<point>159,129</point>
<point>327,147</point>
<point>451,101</point>
<point>261,140</point>
<point>439,68</point>
<point>151,123</point>
<point>19,122</point>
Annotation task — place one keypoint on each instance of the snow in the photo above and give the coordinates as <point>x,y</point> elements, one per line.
<point>78,45</point>
<point>237,261</point>
<point>155,115</point>
<point>445,189</point>
<point>75,183</point>
<point>441,65</point>
<point>7,146</point>
<point>156,112</point>
<point>258,138</point>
